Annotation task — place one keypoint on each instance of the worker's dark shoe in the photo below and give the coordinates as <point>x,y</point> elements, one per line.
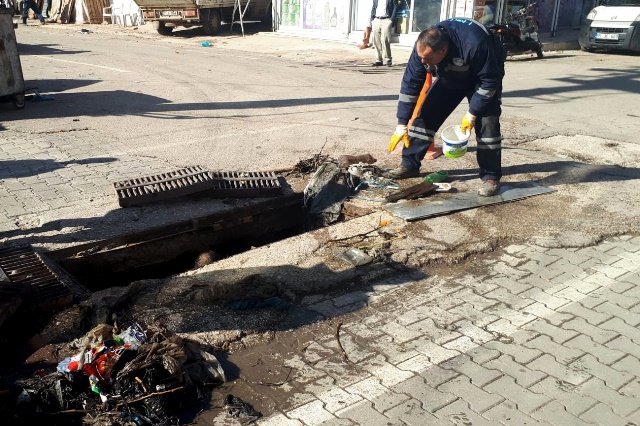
<point>401,173</point>
<point>489,188</point>
<point>377,64</point>
<point>389,63</point>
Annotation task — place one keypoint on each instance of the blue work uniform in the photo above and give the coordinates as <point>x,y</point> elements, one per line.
<point>473,68</point>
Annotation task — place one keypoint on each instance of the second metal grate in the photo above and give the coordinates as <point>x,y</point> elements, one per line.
<point>27,276</point>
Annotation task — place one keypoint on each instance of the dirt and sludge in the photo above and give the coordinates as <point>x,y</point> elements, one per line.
<point>232,339</point>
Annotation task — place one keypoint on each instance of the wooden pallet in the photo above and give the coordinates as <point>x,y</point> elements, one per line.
<point>90,11</point>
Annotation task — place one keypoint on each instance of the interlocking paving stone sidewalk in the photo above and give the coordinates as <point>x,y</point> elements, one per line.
<point>49,171</point>
<point>535,336</point>
<point>555,342</point>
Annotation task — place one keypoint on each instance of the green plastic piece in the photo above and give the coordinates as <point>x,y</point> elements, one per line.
<point>438,176</point>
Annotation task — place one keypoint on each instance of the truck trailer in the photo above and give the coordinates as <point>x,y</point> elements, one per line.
<point>165,15</point>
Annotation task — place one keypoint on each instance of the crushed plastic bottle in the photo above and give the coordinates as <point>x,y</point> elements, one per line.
<point>133,336</point>
<point>205,44</point>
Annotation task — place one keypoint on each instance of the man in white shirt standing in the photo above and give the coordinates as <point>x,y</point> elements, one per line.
<point>383,13</point>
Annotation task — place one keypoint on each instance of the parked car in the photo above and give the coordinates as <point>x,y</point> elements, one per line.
<point>613,24</point>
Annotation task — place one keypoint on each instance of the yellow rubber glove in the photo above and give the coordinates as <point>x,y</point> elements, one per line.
<point>399,135</point>
<point>468,121</point>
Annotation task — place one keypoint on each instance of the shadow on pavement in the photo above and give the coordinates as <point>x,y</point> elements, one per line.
<point>59,85</point>
<point>250,28</point>
<point>623,80</point>
<point>564,172</point>
<point>122,103</point>
<point>533,57</point>
<point>24,168</point>
<point>45,49</point>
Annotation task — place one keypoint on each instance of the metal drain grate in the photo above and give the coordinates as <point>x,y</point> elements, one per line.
<point>25,276</point>
<point>192,180</point>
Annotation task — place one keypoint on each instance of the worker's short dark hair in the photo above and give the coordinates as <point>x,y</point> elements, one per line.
<point>434,38</point>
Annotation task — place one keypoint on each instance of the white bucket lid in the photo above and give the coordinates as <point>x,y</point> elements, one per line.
<point>453,134</point>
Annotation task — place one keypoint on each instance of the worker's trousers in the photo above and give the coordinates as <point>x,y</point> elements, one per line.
<point>438,105</point>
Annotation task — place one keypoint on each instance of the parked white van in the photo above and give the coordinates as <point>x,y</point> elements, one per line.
<point>614,24</point>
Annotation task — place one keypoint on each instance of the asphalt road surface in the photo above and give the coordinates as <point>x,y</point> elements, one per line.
<point>265,101</point>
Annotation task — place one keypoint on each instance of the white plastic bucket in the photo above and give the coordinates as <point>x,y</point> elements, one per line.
<point>454,142</point>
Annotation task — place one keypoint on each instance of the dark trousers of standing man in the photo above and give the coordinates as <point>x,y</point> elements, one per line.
<point>438,105</point>
<point>30,4</point>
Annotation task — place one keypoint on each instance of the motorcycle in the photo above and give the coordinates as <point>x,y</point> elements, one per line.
<point>518,32</point>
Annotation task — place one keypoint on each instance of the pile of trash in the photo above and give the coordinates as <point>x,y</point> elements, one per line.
<point>335,180</point>
<point>119,378</point>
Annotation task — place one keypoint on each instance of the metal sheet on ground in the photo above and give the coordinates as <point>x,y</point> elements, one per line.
<point>434,206</point>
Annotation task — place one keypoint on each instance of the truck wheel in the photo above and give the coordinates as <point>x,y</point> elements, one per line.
<point>161,28</point>
<point>212,22</point>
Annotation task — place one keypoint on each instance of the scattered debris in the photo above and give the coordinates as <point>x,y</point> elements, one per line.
<point>205,258</point>
<point>351,210</point>
<point>345,161</point>
<point>239,408</point>
<point>435,177</point>
<point>335,181</point>
<point>351,240</point>
<point>354,256</point>
<point>367,247</point>
<point>342,351</point>
<point>117,379</point>
<point>85,31</point>
<point>444,187</point>
<point>205,44</point>
<point>385,241</point>
<point>38,97</point>
<point>325,193</point>
<point>413,192</point>
<point>310,165</point>
<point>363,175</point>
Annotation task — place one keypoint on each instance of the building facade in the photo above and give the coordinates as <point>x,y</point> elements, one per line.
<point>347,19</point>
